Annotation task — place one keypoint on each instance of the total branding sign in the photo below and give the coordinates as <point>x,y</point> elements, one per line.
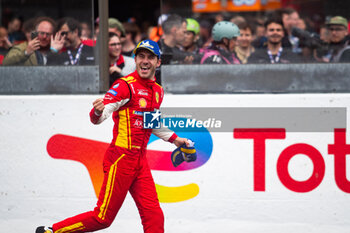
<point>246,179</point>
<point>339,149</point>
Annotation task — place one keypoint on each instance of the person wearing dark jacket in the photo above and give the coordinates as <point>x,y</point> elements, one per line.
<point>67,47</point>
<point>339,45</point>
<point>174,34</point>
<point>274,52</point>
<point>34,51</point>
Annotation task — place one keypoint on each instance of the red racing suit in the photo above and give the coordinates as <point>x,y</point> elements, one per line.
<point>125,164</point>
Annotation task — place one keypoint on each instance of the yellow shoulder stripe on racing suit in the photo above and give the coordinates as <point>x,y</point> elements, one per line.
<point>129,79</point>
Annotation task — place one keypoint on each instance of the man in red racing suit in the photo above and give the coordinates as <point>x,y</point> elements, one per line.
<point>125,164</point>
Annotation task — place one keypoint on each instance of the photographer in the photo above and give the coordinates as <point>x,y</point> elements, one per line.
<point>338,50</point>
<point>334,45</point>
<point>313,48</point>
<point>290,18</point>
<point>33,52</point>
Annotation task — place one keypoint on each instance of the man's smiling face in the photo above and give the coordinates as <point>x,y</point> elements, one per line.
<point>146,63</point>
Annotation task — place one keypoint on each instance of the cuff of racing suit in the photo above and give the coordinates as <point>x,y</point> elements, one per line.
<point>93,116</point>
<point>172,138</point>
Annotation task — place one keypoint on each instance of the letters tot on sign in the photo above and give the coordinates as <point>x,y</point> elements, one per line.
<point>339,149</point>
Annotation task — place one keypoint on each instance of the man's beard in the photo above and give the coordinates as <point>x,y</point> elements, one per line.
<point>275,42</point>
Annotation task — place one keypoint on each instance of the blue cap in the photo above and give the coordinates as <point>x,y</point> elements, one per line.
<point>150,45</point>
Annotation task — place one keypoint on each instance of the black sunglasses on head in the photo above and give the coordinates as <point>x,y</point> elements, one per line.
<point>64,33</point>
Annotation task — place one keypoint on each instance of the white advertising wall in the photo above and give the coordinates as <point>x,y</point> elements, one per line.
<point>243,181</point>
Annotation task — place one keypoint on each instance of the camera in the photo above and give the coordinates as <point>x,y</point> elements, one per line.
<point>34,34</point>
<point>311,40</point>
<point>178,57</point>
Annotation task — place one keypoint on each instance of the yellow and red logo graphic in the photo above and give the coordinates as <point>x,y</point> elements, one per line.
<point>90,153</point>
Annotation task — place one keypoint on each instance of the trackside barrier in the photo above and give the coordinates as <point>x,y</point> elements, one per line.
<point>185,79</point>
<point>24,80</point>
<point>270,78</point>
<point>244,180</point>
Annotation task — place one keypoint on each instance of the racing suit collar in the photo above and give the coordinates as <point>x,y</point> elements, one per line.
<point>147,82</point>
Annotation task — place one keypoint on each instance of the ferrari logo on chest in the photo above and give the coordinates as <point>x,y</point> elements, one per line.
<point>157,97</point>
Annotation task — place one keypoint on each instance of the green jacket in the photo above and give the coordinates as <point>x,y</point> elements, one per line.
<point>16,57</point>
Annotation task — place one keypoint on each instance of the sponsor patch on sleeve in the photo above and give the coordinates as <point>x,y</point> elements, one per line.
<point>138,113</point>
<point>113,92</point>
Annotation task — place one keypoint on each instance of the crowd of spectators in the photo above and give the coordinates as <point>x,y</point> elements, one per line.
<point>281,37</point>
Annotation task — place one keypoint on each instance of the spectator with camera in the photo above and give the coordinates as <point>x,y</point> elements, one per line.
<point>67,47</point>
<point>290,18</point>
<point>274,52</point>
<point>35,51</point>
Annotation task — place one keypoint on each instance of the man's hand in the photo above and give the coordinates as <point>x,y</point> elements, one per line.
<point>188,59</point>
<point>98,106</point>
<point>180,141</point>
<point>33,45</point>
<point>185,151</point>
<point>57,41</point>
<point>6,42</point>
<point>113,69</point>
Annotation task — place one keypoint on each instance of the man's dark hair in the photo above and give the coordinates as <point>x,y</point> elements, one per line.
<point>131,28</point>
<point>112,34</point>
<point>276,20</point>
<point>46,19</point>
<point>172,21</point>
<point>287,11</point>
<point>245,25</point>
<point>72,24</point>
<point>15,17</point>
<point>29,25</point>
